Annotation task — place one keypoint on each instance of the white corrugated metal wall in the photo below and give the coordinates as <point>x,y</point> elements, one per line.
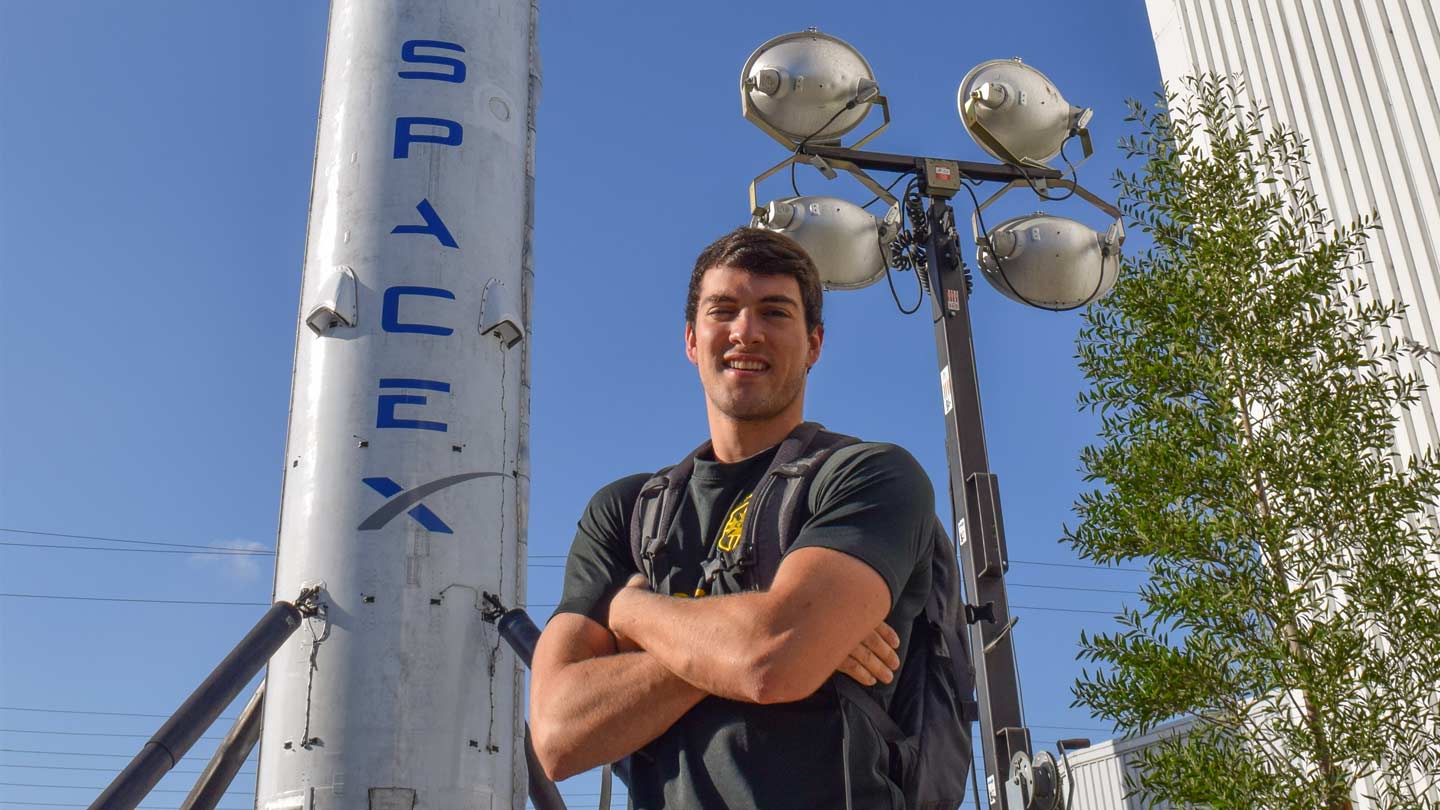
<point>1357,79</point>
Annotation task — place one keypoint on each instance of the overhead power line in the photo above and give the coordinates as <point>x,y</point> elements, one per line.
<point>101,538</point>
<point>83,711</point>
<point>216,552</point>
<point>270,552</point>
<point>132,599</point>
<point>96,788</point>
<point>265,552</point>
<point>63,753</point>
<point>181,771</point>
<point>85,733</point>
<point>72,804</point>
<point>1127,591</point>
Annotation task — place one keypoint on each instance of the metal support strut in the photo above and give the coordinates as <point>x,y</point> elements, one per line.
<point>174,739</point>
<point>228,758</point>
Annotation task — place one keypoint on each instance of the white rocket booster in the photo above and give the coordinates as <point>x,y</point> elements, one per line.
<point>406,466</point>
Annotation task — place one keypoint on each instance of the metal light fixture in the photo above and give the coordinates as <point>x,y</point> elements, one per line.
<point>809,86</point>
<point>1050,262</point>
<point>1015,113</point>
<point>849,245</point>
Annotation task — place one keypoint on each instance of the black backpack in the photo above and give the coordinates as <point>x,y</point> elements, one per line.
<point>927,725</point>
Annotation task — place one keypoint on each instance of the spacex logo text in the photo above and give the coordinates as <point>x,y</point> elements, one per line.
<point>410,501</point>
<point>402,399</point>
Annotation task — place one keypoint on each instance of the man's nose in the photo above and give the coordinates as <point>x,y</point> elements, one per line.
<point>745,329</point>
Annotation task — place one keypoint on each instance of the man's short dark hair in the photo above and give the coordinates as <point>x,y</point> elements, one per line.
<point>764,253</point>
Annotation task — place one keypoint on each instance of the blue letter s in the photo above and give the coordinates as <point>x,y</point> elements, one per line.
<point>407,54</point>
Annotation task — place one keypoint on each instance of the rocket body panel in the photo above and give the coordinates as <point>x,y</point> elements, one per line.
<point>406,458</point>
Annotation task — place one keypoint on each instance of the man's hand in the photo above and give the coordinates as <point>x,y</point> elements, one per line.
<point>874,659</point>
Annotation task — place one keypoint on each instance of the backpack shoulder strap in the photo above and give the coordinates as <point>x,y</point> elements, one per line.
<point>781,492</point>
<point>853,692</point>
<point>655,509</point>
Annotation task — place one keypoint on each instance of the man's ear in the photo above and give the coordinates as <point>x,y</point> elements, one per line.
<point>690,343</point>
<point>816,339</point>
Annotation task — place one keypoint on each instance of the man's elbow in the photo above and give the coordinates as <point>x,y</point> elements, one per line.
<point>778,675</point>
<point>556,758</point>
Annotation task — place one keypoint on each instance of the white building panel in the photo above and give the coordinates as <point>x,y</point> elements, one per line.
<point>1358,80</point>
<point>1097,774</point>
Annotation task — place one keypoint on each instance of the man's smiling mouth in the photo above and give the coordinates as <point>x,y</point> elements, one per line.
<point>746,365</point>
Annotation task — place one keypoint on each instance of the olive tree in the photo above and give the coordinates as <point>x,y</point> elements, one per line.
<point>1248,388</point>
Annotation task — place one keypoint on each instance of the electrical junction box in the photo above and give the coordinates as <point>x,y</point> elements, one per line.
<point>942,177</point>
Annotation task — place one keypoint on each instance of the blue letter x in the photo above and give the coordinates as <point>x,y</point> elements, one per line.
<point>421,513</point>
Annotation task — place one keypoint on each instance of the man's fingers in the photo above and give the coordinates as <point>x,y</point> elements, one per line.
<point>877,668</point>
<point>888,633</point>
<point>881,649</point>
<point>857,672</point>
<point>875,660</point>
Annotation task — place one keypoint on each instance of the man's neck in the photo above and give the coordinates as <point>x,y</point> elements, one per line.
<point>735,440</point>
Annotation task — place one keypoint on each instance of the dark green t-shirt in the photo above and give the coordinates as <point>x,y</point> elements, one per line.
<point>871,501</point>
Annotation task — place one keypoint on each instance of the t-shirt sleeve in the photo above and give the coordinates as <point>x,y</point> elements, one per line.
<point>876,504</point>
<point>600,563</point>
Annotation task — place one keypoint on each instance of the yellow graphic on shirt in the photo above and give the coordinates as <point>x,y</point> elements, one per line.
<point>730,533</point>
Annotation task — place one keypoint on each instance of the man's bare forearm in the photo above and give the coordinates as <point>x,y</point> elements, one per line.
<point>771,646</point>
<point>718,644</point>
<point>601,709</point>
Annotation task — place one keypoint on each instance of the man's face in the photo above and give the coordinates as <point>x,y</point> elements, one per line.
<point>750,342</point>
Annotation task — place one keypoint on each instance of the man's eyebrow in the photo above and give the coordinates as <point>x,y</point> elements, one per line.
<point>769,299</point>
<point>780,299</point>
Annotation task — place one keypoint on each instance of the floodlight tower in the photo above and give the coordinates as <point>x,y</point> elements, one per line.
<point>807,90</point>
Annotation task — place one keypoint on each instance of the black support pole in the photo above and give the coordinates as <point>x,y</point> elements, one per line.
<point>228,758</point>
<point>199,710</point>
<point>975,501</point>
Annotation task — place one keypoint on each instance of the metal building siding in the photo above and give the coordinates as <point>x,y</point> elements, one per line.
<point>1358,80</point>
<point>1097,773</point>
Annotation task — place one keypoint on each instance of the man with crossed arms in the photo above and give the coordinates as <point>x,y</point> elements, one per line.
<point>720,698</point>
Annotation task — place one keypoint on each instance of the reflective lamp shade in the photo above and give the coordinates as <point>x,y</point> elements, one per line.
<point>845,241</point>
<point>1015,114</point>
<point>1050,262</point>
<point>797,83</point>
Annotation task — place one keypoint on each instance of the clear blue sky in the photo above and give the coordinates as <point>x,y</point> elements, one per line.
<point>155,166</point>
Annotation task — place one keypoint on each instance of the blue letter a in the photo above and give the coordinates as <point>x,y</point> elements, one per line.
<point>433,225</point>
